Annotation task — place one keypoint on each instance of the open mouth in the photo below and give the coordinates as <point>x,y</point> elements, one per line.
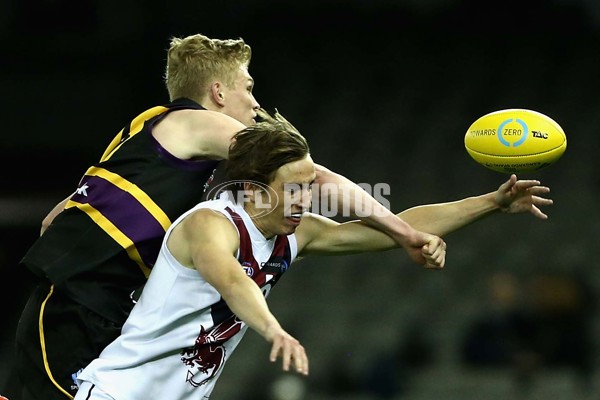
<point>295,218</point>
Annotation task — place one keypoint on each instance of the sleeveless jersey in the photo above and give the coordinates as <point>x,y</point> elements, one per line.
<point>101,248</point>
<point>179,335</point>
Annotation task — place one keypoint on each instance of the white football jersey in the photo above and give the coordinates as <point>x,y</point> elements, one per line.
<point>181,332</point>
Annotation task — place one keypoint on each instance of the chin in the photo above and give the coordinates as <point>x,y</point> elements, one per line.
<point>289,230</point>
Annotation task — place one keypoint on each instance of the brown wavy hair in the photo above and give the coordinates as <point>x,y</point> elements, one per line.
<point>258,151</point>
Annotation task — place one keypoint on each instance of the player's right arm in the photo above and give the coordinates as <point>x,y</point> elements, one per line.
<point>189,134</point>
<point>207,241</point>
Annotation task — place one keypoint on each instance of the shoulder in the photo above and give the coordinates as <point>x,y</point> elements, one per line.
<point>202,229</point>
<point>201,119</point>
<point>203,219</point>
<point>197,133</point>
<point>208,119</point>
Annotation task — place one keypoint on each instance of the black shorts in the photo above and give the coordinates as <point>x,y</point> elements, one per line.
<point>56,338</point>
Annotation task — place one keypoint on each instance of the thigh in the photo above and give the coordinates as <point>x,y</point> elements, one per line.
<point>22,284</point>
<point>56,339</point>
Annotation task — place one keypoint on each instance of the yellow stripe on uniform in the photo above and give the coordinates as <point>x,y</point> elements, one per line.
<point>135,191</point>
<point>134,127</point>
<point>43,345</point>
<point>113,231</point>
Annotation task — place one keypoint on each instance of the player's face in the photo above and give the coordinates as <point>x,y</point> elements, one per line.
<point>239,100</point>
<point>293,194</point>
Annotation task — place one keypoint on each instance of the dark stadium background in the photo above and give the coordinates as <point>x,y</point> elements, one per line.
<point>384,91</point>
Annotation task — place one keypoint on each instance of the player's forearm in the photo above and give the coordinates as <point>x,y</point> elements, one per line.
<point>248,303</point>
<point>443,218</point>
<point>355,201</point>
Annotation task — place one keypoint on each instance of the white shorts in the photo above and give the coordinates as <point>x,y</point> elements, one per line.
<point>89,391</point>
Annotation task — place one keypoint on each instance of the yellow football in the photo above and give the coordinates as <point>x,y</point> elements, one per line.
<point>515,141</point>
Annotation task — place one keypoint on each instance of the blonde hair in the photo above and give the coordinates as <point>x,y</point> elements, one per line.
<point>195,61</point>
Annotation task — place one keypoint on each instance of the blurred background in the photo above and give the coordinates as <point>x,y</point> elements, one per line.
<point>384,90</point>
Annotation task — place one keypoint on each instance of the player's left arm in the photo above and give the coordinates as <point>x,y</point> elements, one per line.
<point>349,196</point>
<point>57,209</point>
<point>319,235</point>
<point>514,196</point>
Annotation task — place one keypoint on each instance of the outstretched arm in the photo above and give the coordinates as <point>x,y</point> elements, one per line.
<point>207,241</point>
<point>350,197</point>
<point>512,197</point>
<point>323,236</point>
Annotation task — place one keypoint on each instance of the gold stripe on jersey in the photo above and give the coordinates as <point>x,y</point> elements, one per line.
<point>114,233</point>
<point>135,191</point>
<point>134,127</point>
<point>43,345</point>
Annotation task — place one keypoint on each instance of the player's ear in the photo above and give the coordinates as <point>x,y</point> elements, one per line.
<point>250,190</point>
<point>255,190</point>
<point>216,91</point>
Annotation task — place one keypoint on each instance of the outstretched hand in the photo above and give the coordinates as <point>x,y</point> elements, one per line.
<point>518,196</point>
<point>287,347</point>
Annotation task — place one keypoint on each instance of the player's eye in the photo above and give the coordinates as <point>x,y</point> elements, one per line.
<point>292,188</point>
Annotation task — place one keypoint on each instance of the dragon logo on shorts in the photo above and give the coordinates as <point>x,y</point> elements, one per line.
<point>207,355</point>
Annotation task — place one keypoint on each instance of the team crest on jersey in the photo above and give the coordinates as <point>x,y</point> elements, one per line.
<point>206,357</point>
<point>247,266</point>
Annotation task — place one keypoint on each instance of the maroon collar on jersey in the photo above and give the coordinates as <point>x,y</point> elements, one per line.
<point>274,267</point>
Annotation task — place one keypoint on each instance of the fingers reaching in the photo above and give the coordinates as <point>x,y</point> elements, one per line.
<point>538,213</point>
<point>292,353</point>
<point>517,196</point>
